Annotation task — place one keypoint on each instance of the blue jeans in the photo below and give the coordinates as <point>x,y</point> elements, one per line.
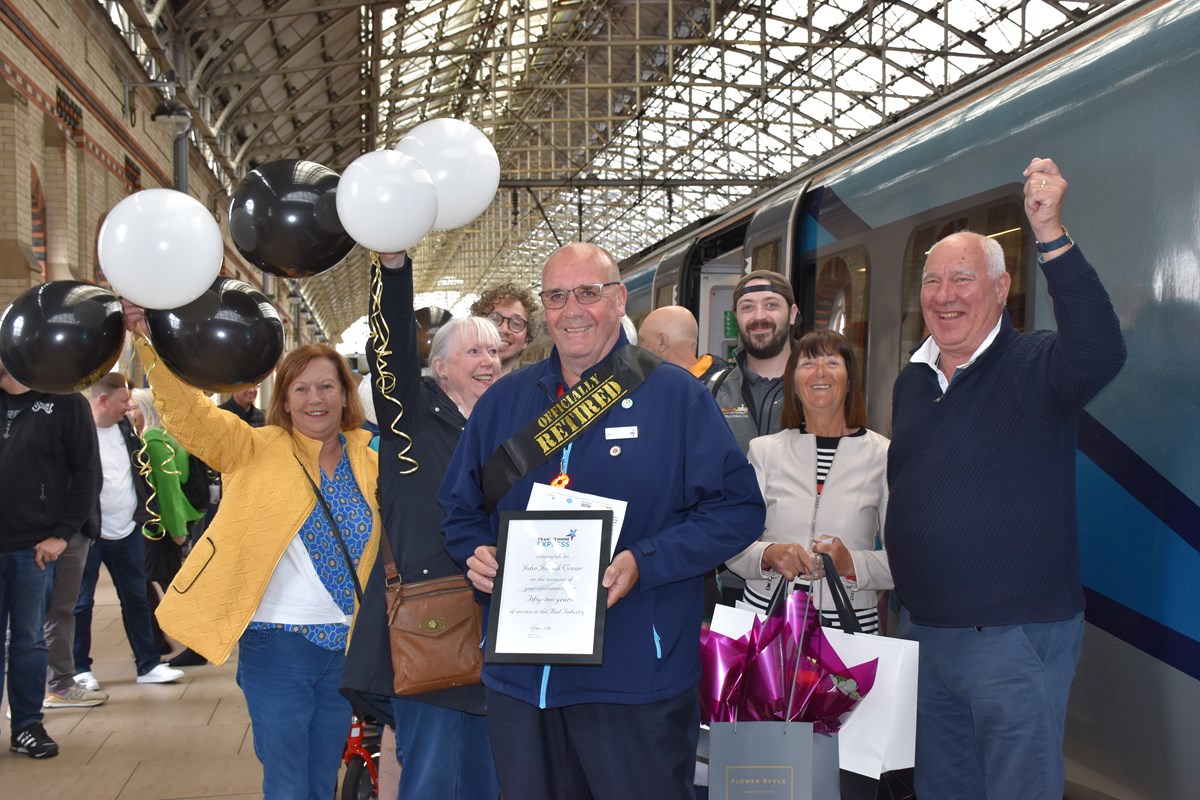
<point>992,708</point>
<point>126,562</point>
<point>444,753</point>
<point>299,718</point>
<point>23,592</point>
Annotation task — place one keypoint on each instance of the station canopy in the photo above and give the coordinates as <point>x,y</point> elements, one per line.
<point>615,122</point>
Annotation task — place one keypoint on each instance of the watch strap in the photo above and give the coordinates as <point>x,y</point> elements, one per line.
<point>1054,244</point>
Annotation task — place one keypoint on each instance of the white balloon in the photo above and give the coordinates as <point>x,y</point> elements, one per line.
<point>386,201</point>
<point>160,248</point>
<point>464,166</point>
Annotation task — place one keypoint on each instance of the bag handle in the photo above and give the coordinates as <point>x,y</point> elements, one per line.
<point>841,597</point>
<point>337,533</point>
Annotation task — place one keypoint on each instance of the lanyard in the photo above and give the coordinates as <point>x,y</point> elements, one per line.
<point>562,478</point>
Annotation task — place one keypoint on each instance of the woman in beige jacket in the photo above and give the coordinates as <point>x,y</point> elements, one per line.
<point>824,479</point>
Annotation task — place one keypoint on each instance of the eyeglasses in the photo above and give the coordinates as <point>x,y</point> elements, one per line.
<point>586,294</point>
<point>515,323</point>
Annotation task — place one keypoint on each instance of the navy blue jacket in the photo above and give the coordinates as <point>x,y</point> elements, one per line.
<point>981,517</point>
<point>693,502</point>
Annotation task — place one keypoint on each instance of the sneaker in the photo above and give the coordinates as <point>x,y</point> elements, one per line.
<point>88,681</point>
<point>33,741</point>
<point>160,674</point>
<point>75,697</point>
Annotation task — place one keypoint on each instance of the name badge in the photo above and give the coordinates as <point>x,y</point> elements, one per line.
<point>627,432</point>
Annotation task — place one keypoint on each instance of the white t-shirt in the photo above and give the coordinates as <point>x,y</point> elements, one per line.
<point>118,500</point>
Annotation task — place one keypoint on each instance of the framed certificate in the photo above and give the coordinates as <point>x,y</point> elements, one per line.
<point>548,601</point>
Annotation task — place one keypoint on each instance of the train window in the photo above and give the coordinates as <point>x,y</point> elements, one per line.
<point>766,256</point>
<point>840,293</point>
<point>665,296</point>
<point>1002,221</point>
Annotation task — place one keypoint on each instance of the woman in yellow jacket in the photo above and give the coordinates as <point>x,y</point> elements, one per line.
<point>269,573</point>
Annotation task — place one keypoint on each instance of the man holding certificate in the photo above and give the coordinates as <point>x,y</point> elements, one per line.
<point>642,449</point>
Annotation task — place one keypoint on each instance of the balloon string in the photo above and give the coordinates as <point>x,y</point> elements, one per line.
<point>143,464</point>
<point>385,382</point>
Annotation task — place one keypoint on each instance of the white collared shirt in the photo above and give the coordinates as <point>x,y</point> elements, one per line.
<point>929,353</point>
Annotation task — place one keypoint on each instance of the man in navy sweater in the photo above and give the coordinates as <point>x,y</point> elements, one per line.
<point>981,526</point>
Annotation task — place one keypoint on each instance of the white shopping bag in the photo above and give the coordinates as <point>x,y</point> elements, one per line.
<point>880,734</point>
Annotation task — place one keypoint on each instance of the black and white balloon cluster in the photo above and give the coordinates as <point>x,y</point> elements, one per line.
<point>162,250</point>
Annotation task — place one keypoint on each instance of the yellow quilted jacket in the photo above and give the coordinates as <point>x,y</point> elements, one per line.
<point>265,500</point>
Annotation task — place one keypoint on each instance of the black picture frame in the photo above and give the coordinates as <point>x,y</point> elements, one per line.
<point>498,607</point>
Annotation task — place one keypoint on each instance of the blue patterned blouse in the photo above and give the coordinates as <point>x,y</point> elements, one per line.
<point>353,515</point>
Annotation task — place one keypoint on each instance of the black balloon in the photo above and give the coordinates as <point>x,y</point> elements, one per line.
<point>430,320</point>
<point>62,336</point>
<point>227,339</point>
<point>284,219</point>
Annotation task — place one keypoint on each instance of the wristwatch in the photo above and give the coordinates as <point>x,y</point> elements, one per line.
<point>1054,244</point>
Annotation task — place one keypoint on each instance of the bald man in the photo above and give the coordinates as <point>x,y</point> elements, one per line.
<point>671,334</point>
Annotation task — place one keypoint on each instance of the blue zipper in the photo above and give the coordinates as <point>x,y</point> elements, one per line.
<point>657,643</point>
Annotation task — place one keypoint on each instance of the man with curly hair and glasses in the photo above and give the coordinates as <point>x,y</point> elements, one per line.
<point>512,308</point>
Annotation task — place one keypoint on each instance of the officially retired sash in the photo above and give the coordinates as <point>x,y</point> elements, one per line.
<point>585,404</point>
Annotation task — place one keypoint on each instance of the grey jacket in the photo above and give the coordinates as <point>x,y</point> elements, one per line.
<point>737,406</point>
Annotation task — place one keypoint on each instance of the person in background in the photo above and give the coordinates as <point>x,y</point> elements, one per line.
<point>47,450</point>
<point>124,508</point>
<point>750,393</point>
<point>824,480</point>
<point>981,518</point>
<point>169,470</point>
<point>568,731</point>
<point>242,403</point>
<point>512,308</point>
<point>441,737</point>
<point>276,572</point>
<point>671,333</point>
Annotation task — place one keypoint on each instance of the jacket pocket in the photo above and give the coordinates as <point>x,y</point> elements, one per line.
<point>195,565</point>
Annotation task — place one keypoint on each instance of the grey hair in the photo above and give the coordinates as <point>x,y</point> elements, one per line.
<point>456,331</point>
<point>993,253</point>
<point>144,399</point>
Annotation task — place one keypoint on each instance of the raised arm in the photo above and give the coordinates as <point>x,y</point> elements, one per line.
<point>219,438</point>
<point>395,363</point>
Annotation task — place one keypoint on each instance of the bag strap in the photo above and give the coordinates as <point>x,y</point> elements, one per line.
<point>585,404</point>
<point>337,533</point>
<point>841,597</point>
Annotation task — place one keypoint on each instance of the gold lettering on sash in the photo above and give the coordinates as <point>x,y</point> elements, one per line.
<point>564,420</point>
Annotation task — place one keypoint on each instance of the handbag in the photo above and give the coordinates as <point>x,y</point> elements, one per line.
<point>879,735</point>
<point>434,629</point>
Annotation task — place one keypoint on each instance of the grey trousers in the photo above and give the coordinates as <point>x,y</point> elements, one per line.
<point>60,613</point>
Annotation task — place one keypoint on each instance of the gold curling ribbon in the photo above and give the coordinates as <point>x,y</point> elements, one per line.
<point>379,343</point>
<point>143,464</point>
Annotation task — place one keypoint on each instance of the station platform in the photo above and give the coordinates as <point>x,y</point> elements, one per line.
<point>178,741</point>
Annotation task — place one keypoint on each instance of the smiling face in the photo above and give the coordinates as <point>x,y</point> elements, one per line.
<point>245,398</point>
<point>822,382</point>
<point>511,344</point>
<point>764,319</point>
<point>583,334</point>
<point>315,400</point>
<point>468,369</point>
<point>961,302</point>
